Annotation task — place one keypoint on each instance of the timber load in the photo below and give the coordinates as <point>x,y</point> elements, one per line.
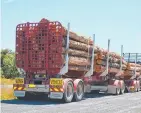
<point>133,69</point>
<point>114,61</point>
<point>50,38</point>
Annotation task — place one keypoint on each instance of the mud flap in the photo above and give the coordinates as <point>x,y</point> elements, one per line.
<point>56,95</point>
<point>19,93</point>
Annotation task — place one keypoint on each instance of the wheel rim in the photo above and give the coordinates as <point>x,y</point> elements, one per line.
<point>80,89</point>
<point>69,90</point>
<point>118,90</point>
<point>123,89</point>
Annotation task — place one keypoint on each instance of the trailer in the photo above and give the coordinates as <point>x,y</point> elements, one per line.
<point>39,56</point>
<point>118,82</point>
<point>133,83</point>
<point>110,80</point>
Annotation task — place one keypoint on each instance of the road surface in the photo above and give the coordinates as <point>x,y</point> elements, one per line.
<point>102,103</point>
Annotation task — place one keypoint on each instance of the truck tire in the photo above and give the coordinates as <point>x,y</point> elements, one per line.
<point>138,85</point>
<point>122,90</point>
<point>68,92</point>
<point>136,88</point>
<point>78,95</point>
<point>117,91</point>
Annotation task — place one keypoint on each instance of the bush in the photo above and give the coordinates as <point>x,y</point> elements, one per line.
<point>1,72</point>
<point>8,67</point>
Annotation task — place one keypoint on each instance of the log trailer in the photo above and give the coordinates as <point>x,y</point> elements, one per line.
<point>37,61</point>
<point>116,81</point>
<point>133,83</point>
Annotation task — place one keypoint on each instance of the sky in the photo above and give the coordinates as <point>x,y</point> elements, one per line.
<point>117,20</point>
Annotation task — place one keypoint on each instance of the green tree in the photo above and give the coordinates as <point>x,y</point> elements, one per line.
<point>8,67</point>
<point>5,52</point>
<point>1,72</point>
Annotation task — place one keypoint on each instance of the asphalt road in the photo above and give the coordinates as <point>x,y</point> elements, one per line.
<point>92,103</point>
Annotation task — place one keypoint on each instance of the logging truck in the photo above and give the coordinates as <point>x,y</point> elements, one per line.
<point>39,61</point>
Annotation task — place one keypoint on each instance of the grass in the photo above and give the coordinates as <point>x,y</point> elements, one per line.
<point>6,93</point>
<point>5,81</point>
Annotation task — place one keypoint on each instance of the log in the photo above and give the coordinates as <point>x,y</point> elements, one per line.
<point>79,68</point>
<point>114,65</point>
<point>79,46</point>
<point>78,61</point>
<point>124,66</point>
<point>111,64</point>
<point>131,73</point>
<point>78,53</point>
<point>100,62</point>
<point>133,65</point>
<point>115,55</point>
<point>115,70</point>
<point>133,68</point>
<point>76,37</point>
<point>99,68</point>
<point>112,59</point>
<point>74,52</point>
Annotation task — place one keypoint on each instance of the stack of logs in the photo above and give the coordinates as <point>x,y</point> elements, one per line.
<point>114,61</point>
<point>80,51</point>
<point>130,70</point>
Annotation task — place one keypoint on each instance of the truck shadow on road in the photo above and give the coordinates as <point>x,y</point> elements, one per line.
<point>46,101</point>
<point>95,95</point>
<point>31,102</point>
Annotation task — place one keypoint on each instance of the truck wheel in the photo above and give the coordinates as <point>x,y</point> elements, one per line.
<point>68,93</point>
<point>122,90</point>
<point>126,90</point>
<point>78,95</point>
<point>117,91</point>
<point>136,89</point>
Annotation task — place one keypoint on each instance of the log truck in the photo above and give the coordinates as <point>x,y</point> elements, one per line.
<point>36,77</point>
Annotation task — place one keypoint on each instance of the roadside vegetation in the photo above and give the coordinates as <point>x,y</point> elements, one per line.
<point>7,94</point>
<point>8,66</point>
<point>8,72</point>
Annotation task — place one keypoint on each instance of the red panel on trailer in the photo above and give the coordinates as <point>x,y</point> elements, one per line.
<point>39,46</point>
